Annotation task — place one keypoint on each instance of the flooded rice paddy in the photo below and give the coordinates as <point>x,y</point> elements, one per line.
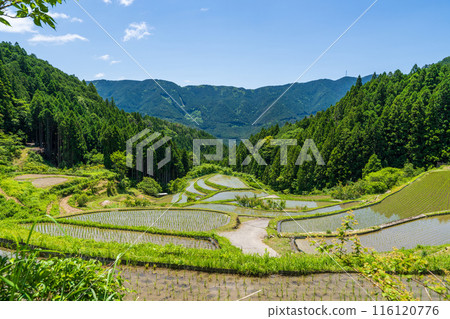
<point>431,193</point>
<point>182,285</point>
<point>227,181</point>
<point>120,236</point>
<point>178,220</point>
<point>432,231</point>
<point>201,183</point>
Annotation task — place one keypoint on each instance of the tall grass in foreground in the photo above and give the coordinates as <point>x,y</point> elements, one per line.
<point>26,277</point>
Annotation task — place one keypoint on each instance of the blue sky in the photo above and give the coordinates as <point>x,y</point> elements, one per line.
<point>241,43</point>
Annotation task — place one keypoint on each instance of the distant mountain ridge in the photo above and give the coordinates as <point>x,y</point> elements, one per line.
<point>226,111</point>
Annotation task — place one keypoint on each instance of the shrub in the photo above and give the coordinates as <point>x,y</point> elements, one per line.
<point>177,185</point>
<point>206,169</point>
<point>124,183</point>
<point>82,200</point>
<point>111,189</point>
<point>149,186</point>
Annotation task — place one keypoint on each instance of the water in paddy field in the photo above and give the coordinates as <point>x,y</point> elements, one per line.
<point>180,220</point>
<point>227,181</point>
<point>192,189</point>
<point>176,198</point>
<point>258,212</point>
<point>432,231</point>
<point>201,183</point>
<point>151,284</point>
<point>238,210</point>
<point>183,199</point>
<point>431,193</point>
<point>120,236</point>
<point>232,195</point>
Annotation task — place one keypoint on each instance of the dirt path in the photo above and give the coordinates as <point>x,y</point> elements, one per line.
<point>9,197</point>
<point>65,208</point>
<point>249,237</point>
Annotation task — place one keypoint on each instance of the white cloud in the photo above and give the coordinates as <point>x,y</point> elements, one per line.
<point>99,75</point>
<point>204,9</point>
<point>126,3</point>
<point>115,61</point>
<point>58,15</point>
<point>136,31</point>
<point>107,1</point>
<point>56,39</point>
<point>105,57</point>
<point>24,25</point>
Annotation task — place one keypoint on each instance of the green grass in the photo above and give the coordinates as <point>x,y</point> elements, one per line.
<point>226,259</point>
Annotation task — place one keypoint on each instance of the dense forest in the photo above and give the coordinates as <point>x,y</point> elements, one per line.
<point>70,121</point>
<point>225,111</point>
<point>394,119</point>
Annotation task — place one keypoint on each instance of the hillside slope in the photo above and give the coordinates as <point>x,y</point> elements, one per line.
<point>67,117</point>
<point>398,117</point>
<point>225,111</point>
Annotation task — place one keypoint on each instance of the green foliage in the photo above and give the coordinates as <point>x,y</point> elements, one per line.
<point>119,163</point>
<point>258,203</point>
<point>373,165</point>
<point>206,169</point>
<point>383,271</point>
<point>375,182</point>
<point>111,188</point>
<point>137,202</point>
<point>37,10</point>
<point>177,185</point>
<point>82,200</point>
<point>149,186</point>
<point>72,123</point>
<point>233,115</point>
<point>94,158</point>
<point>10,146</point>
<point>400,118</point>
<point>25,277</point>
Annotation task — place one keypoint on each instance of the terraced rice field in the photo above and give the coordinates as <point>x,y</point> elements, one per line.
<point>182,285</point>
<point>330,209</point>
<point>227,181</point>
<point>430,193</point>
<point>120,236</point>
<point>183,199</point>
<point>232,195</point>
<point>43,181</point>
<point>201,183</point>
<point>179,198</point>
<point>237,210</point>
<point>176,197</point>
<point>190,188</point>
<point>177,220</point>
<point>264,213</point>
<point>431,231</point>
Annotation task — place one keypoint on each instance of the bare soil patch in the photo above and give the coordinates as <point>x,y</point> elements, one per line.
<point>65,208</point>
<point>249,237</point>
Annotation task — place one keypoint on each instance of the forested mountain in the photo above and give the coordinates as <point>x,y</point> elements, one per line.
<point>224,111</point>
<point>67,117</point>
<point>398,117</point>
